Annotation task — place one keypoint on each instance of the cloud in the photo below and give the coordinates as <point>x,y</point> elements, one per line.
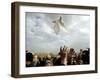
<point>40,36</point>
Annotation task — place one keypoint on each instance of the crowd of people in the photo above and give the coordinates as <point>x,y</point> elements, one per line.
<point>66,56</point>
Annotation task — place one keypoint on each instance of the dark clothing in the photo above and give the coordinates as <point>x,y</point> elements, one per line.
<point>42,63</point>
<point>85,57</point>
<point>58,62</point>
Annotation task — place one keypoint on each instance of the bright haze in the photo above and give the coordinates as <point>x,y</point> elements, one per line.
<point>41,35</point>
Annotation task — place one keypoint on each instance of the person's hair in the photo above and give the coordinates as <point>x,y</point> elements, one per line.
<point>71,50</point>
<point>29,56</point>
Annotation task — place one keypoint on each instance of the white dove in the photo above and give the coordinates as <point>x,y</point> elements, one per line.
<point>59,26</point>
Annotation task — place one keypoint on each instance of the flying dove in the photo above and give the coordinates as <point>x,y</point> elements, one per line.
<point>58,24</point>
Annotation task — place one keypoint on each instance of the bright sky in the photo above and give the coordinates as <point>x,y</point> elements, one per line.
<point>41,37</point>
